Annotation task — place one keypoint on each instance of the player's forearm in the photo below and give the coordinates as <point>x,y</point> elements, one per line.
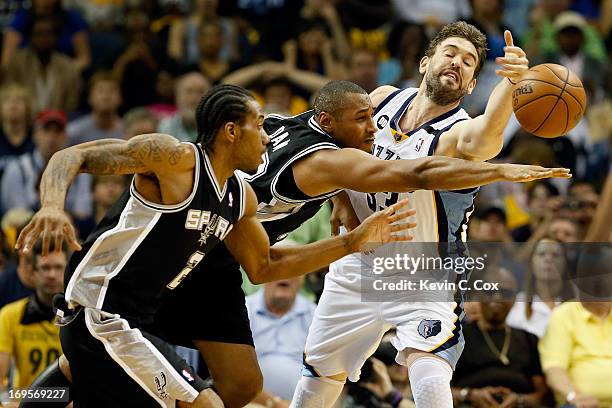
<point>102,157</point>
<point>482,138</point>
<point>498,110</point>
<point>57,177</point>
<point>292,261</point>
<point>446,173</point>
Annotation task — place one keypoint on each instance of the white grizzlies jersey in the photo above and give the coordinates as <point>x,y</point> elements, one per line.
<point>441,216</point>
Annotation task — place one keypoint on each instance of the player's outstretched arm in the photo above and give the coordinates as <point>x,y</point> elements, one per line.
<point>249,243</point>
<point>157,155</point>
<point>481,138</point>
<point>329,170</point>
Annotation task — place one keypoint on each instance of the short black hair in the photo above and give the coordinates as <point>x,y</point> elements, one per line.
<point>37,250</point>
<point>221,104</point>
<point>331,97</point>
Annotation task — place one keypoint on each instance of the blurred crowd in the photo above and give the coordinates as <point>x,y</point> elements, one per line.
<point>76,71</point>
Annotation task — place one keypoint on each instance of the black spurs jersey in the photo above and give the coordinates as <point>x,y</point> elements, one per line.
<point>142,249</point>
<point>282,205</point>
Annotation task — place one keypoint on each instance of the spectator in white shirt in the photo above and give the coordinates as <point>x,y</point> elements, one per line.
<point>545,286</point>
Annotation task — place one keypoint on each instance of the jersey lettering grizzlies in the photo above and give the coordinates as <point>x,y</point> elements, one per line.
<point>142,249</point>
<point>441,215</point>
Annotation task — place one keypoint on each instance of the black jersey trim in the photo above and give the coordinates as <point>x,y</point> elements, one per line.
<point>308,150</point>
<point>169,208</point>
<point>213,179</point>
<point>438,133</point>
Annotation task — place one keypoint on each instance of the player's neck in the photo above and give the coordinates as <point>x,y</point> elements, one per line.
<point>421,110</point>
<point>222,164</point>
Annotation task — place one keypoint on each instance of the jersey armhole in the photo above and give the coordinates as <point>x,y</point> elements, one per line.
<point>169,208</point>
<point>386,101</point>
<point>434,142</point>
<point>285,179</point>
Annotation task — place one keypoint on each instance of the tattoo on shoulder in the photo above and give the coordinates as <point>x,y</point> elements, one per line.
<point>104,159</point>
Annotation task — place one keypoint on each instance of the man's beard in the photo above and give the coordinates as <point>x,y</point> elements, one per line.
<point>440,94</point>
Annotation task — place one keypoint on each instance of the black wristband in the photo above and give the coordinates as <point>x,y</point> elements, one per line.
<point>509,80</point>
<point>394,398</point>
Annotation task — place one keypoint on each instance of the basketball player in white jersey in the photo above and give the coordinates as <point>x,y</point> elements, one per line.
<point>412,123</point>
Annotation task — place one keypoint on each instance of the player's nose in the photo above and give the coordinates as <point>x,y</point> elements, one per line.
<point>370,126</point>
<point>265,139</point>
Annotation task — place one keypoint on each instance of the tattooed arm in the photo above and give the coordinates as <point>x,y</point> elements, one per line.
<point>156,156</point>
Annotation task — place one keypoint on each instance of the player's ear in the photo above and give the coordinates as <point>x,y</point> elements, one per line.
<point>326,121</point>
<point>231,131</point>
<point>423,64</point>
<point>471,86</point>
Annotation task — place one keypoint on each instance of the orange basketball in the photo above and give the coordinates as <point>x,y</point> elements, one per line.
<point>549,100</point>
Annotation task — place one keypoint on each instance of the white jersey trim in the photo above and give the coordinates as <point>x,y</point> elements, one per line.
<point>126,257</point>
<point>109,349</point>
<point>308,150</point>
<point>108,346</point>
<point>94,249</point>
<point>211,175</point>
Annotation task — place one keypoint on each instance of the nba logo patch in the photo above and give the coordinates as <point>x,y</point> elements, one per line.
<point>419,144</point>
<point>231,199</point>
<point>382,121</point>
<point>429,328</point>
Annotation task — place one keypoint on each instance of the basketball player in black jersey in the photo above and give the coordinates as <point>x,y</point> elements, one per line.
<point>311,157</point>
<point>184,200</point>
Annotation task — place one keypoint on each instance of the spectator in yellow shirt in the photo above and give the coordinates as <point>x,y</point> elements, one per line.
<point>27,330</point>
<point>576,354</point>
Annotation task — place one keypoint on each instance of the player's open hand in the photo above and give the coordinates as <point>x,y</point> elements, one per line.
<point>522,173</point>
<point>52,224</point>
<point>383,227</point>
<point>514,63</point>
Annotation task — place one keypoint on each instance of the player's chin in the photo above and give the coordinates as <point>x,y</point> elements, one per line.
<point>367,145</point>
<point>252,169</point>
